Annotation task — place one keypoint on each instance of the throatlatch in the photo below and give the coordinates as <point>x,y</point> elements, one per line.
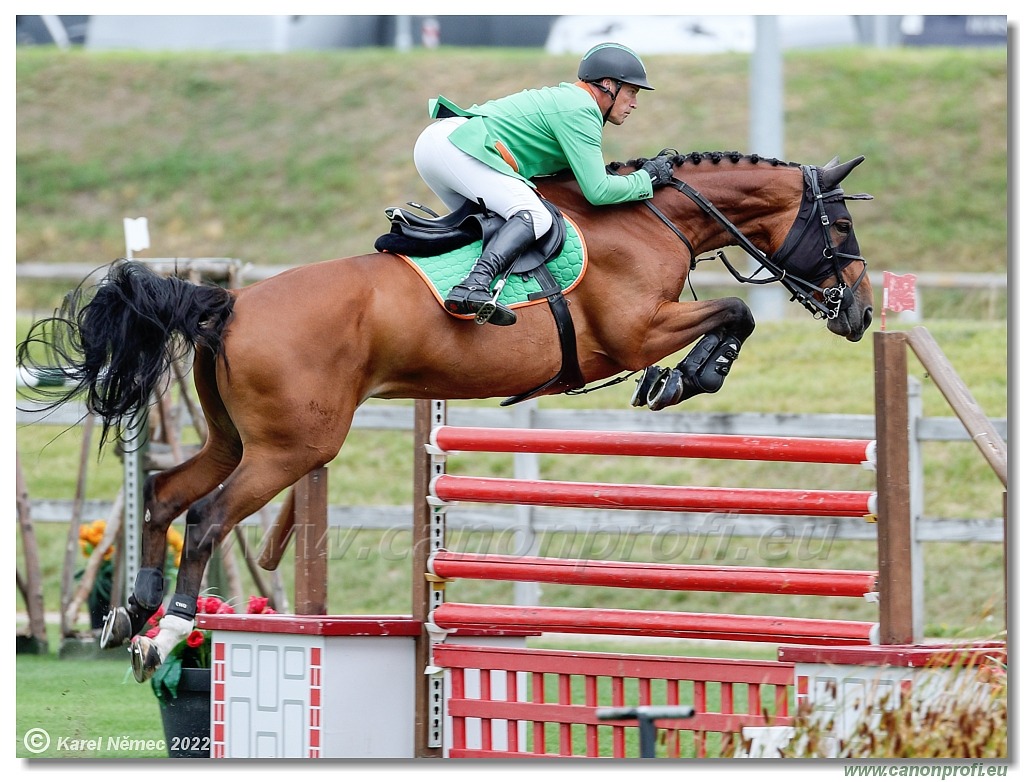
<point>703,371</point>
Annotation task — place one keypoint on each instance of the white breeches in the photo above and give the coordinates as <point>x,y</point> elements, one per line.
<point>456,177</point>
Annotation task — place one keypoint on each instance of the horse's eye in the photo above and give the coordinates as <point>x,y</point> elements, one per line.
<point>844,226</point>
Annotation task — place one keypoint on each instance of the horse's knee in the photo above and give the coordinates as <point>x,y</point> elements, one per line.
<point>739,320</point>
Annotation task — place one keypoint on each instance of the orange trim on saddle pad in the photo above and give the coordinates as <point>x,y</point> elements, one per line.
<point>440,297</point>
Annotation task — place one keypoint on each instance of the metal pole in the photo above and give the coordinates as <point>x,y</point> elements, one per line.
<point>428,536</point>
<point>136,440</point>
<point>767,302</point>
<point>403,33</point>
<point>645,717</point>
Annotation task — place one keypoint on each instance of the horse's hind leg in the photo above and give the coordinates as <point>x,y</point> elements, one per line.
<point>259,477</point>
<point>167,495</point>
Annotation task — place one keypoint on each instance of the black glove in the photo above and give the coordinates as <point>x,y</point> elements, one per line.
<point>659,169</point>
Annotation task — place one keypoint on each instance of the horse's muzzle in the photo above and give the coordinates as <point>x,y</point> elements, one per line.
<point>852,323</point>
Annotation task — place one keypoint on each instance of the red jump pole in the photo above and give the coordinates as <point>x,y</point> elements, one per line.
<point>644,575</point>
<point>669,624</point>
<point>790,502</point>
<point>700,446</point>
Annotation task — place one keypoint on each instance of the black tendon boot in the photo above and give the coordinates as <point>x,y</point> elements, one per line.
<point>703,371</point>
<point>473,294</point>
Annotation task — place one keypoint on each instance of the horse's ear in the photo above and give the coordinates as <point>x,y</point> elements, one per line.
<point>832,162</point>
<point>832,175</point>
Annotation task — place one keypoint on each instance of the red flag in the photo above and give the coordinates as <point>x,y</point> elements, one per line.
<point>899,292</point>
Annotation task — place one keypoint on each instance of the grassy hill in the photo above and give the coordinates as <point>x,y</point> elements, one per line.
<point>290,159</point>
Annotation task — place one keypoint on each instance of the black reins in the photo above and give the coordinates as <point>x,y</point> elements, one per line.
<point>802,290</point>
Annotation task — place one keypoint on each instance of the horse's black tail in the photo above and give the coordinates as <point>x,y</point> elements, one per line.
<point>119,345</point>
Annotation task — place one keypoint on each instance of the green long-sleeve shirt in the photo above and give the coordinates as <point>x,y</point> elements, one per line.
<point>543,131</point>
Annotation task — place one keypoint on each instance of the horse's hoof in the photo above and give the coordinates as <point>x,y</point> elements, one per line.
<point>117,628</point>
<point>145,658</point>
<point>643,386</point>
<point>666,390</point>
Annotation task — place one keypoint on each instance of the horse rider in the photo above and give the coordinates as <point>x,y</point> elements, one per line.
<point>488,153</point>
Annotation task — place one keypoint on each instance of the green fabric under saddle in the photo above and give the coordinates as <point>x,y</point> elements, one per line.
<point>447,270</point>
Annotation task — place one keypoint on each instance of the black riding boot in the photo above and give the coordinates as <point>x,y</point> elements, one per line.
<point>473,294</point>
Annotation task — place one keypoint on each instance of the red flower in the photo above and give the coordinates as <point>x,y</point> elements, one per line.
<point>224,608</point>
<point>154,620</point>
<point>257,605</point>
<point>195,639</point>
<point>209,605</point>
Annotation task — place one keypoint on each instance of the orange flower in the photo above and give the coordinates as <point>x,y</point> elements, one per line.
<point>90,536</point>
<point>175,542</point>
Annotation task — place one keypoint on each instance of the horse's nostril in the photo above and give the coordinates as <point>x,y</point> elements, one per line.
<point>867,318</point>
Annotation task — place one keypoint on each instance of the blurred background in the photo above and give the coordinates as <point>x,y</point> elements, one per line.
<point>556,34</point>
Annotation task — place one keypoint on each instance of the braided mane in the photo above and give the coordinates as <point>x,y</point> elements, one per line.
<point>696,158</point>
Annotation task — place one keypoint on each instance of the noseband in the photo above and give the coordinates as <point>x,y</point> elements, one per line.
<point>812,211</point>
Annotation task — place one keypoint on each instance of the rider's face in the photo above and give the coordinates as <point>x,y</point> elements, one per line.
<point>625,102</point>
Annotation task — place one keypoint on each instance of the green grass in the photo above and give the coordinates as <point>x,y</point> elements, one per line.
<point>79,700</point>
<point>292,158</point>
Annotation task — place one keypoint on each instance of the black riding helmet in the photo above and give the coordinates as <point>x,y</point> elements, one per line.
<point>613,61</point>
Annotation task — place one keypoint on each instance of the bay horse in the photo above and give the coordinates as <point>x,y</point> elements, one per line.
<point>280,366</point>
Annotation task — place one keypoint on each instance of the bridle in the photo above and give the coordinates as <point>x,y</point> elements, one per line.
<point>812,211</point>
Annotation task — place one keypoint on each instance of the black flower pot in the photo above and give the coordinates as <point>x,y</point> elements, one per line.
<point>187,718</point>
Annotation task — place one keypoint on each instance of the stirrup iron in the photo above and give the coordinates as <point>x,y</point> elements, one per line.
<point>488,308</point>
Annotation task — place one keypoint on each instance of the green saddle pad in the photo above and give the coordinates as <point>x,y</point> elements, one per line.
<point>447,270</point>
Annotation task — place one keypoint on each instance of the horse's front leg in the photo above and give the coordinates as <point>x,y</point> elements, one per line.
<point>720,330</point>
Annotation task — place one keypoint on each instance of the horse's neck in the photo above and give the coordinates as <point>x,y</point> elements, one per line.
<point>761,201</point>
